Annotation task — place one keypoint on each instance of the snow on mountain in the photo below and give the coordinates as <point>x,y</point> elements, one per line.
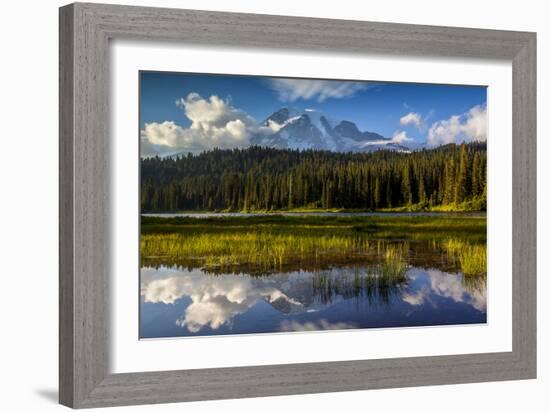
<point>290,128</point>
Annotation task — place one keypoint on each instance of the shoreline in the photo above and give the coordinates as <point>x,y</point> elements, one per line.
<point>342,213</point>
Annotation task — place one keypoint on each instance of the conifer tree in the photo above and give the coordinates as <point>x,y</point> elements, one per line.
<point>268,179</point>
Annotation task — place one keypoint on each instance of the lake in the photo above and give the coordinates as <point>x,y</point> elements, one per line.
<point>268,274</point>
<point>181,302</point>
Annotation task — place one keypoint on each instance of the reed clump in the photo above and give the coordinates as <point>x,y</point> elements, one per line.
<point>471,257</point>
<point>377,283</point>
<point>394,265</point>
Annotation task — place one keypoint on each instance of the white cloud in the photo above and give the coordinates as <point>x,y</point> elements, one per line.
<point>274,127</point>
<point>214,123</point>
<point>400,137</point>
<point>158,136</point>
<point>466,127</point>
<point>290,90</point>
<point>412,119</point>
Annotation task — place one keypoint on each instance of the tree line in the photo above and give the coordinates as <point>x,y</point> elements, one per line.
<point>258,178</point>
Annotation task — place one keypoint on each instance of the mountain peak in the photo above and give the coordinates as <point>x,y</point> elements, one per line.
<point>348,129</point>
<point>311,129</point>
<point>279,117</point>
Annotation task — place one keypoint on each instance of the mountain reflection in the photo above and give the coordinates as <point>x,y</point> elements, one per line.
<point>215,301</point>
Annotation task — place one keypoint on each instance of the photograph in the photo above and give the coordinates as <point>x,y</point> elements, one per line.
<point>278,205</point>
<point>271,206</point>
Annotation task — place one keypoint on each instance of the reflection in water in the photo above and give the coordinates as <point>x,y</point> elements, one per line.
<point>215,299</point>
<point>455,287</point>
<point>185,302</point>
<point>322,324</point>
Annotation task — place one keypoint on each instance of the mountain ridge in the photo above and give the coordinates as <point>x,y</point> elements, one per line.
<point>290,128</point>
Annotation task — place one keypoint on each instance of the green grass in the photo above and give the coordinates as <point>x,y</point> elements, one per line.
<point>394,265</point>
<point>472,258</point>
<point>261,249</point>
<point>475,205</point>
<point>398,227</point>
<point>281,243</point>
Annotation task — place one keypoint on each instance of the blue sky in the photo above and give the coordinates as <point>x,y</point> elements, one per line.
<point>212,108</point>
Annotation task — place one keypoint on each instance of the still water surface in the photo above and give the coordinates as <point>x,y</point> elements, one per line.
<point>178,301</point>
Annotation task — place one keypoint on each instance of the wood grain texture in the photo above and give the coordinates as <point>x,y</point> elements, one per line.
<point>66,229</point>
<point>524,184</point>
<point>85,31</point>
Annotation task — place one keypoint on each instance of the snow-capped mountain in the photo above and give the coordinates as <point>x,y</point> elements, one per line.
<point>311,129</point>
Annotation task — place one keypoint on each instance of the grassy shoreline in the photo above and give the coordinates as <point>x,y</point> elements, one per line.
<point>379,224</point>
<point>275,242</point>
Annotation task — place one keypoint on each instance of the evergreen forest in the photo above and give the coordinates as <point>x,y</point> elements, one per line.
<point>448,178</point>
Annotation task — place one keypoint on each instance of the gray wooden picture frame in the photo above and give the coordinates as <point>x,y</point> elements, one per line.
<point>85,32</point>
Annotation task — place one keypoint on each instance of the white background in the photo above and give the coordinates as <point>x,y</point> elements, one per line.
<point>28,87</point>
<point>132,355</point>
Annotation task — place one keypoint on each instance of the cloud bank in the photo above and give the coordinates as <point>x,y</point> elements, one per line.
<point>401,137</point>
<point>214,123</point>
<point>412,119</point>
<point>466,127</point>
<point>290,90</point>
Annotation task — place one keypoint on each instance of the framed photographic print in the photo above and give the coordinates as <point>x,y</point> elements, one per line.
<point>261,205</point>
<point>303,221</point>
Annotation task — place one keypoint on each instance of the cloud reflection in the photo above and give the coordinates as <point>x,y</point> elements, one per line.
<point>451,286</point>
<point>321,324</point>
<point>215,300</point>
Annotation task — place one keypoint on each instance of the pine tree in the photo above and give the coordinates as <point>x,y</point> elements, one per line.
<point>262,178</point>
<point>377,192</point>
<point>478,175</point>
<point>449,183</point>
<point>290,192</point>
<point>421,192</point>
<point>462,182</point>
<point>406,187</point>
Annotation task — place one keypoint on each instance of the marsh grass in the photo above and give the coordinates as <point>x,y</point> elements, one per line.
<point>377,283</point>
<point>394,265</point>
<point>388,227</point>
<point>471,257</point>
<point>263,244</point>
<point>260,249</point>
<point>475,284</point>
